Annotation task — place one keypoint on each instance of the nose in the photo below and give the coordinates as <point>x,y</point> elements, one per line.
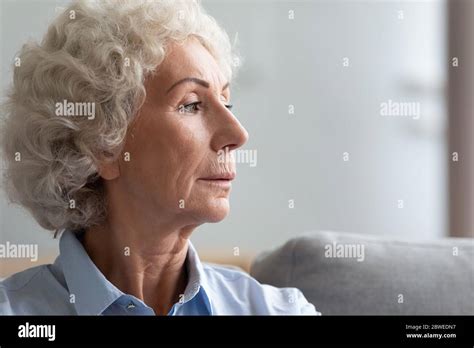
<point>229,132</point>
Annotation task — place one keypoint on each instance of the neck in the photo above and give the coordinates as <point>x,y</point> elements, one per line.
<point>139,251</point>
<point>149,266</point>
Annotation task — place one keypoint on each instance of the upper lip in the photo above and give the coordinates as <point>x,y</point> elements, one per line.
<point>221,176</point>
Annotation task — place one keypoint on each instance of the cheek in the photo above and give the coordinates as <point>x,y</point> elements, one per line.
<point>189,150</point>
<point>166,155</point>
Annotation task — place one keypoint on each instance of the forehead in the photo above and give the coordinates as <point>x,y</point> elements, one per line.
<point>188,59</point>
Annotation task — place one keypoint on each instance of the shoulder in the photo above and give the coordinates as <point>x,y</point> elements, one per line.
<point>15,288</point>
<point>236,292</point>
<point>29,292</point>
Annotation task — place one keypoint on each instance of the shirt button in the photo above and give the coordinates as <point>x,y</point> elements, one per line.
<point>131,305</point>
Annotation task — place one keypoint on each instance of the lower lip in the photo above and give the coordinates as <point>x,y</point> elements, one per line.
<point>218,183</point>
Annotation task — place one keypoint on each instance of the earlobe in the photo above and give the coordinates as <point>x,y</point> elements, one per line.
<point>109,170</point>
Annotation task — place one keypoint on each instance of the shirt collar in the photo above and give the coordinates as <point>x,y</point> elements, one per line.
<point>93,293</point>
<point>197,279</point>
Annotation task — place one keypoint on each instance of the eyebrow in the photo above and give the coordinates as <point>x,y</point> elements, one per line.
<point>196,81</point>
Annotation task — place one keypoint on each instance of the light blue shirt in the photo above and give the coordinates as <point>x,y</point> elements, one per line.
<point>74,285</point>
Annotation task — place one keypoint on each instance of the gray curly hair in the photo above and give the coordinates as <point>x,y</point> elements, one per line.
<point>98,52</point>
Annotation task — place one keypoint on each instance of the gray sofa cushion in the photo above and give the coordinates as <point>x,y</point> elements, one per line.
<point>345,273</point>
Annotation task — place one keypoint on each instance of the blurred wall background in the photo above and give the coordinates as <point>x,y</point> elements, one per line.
<point>311,90</point>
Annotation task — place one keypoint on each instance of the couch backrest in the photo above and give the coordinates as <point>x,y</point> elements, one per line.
<point>345,273</point>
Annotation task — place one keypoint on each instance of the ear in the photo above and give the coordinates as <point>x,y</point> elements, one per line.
<point>109,170</point>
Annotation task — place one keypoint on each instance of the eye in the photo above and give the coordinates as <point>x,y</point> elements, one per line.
<point>190,108</point>
<point>225,101</point>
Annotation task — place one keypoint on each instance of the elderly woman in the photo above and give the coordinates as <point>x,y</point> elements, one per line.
<point>114,128</point>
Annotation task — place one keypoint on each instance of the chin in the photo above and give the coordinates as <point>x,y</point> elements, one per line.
<point>217,210</point>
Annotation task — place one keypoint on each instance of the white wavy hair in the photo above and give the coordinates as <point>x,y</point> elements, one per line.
<point>98,52</point>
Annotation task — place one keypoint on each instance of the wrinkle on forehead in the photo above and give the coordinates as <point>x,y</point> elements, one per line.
<point>187,59</point>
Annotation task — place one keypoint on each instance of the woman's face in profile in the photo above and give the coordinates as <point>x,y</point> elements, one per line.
<point>175,141</point>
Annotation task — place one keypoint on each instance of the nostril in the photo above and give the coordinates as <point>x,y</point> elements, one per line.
<point>231,147</point>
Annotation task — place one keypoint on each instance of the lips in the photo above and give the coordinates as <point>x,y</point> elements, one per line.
<point>220,177</point>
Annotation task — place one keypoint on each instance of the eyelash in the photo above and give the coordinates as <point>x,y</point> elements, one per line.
<point>185,108</point>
